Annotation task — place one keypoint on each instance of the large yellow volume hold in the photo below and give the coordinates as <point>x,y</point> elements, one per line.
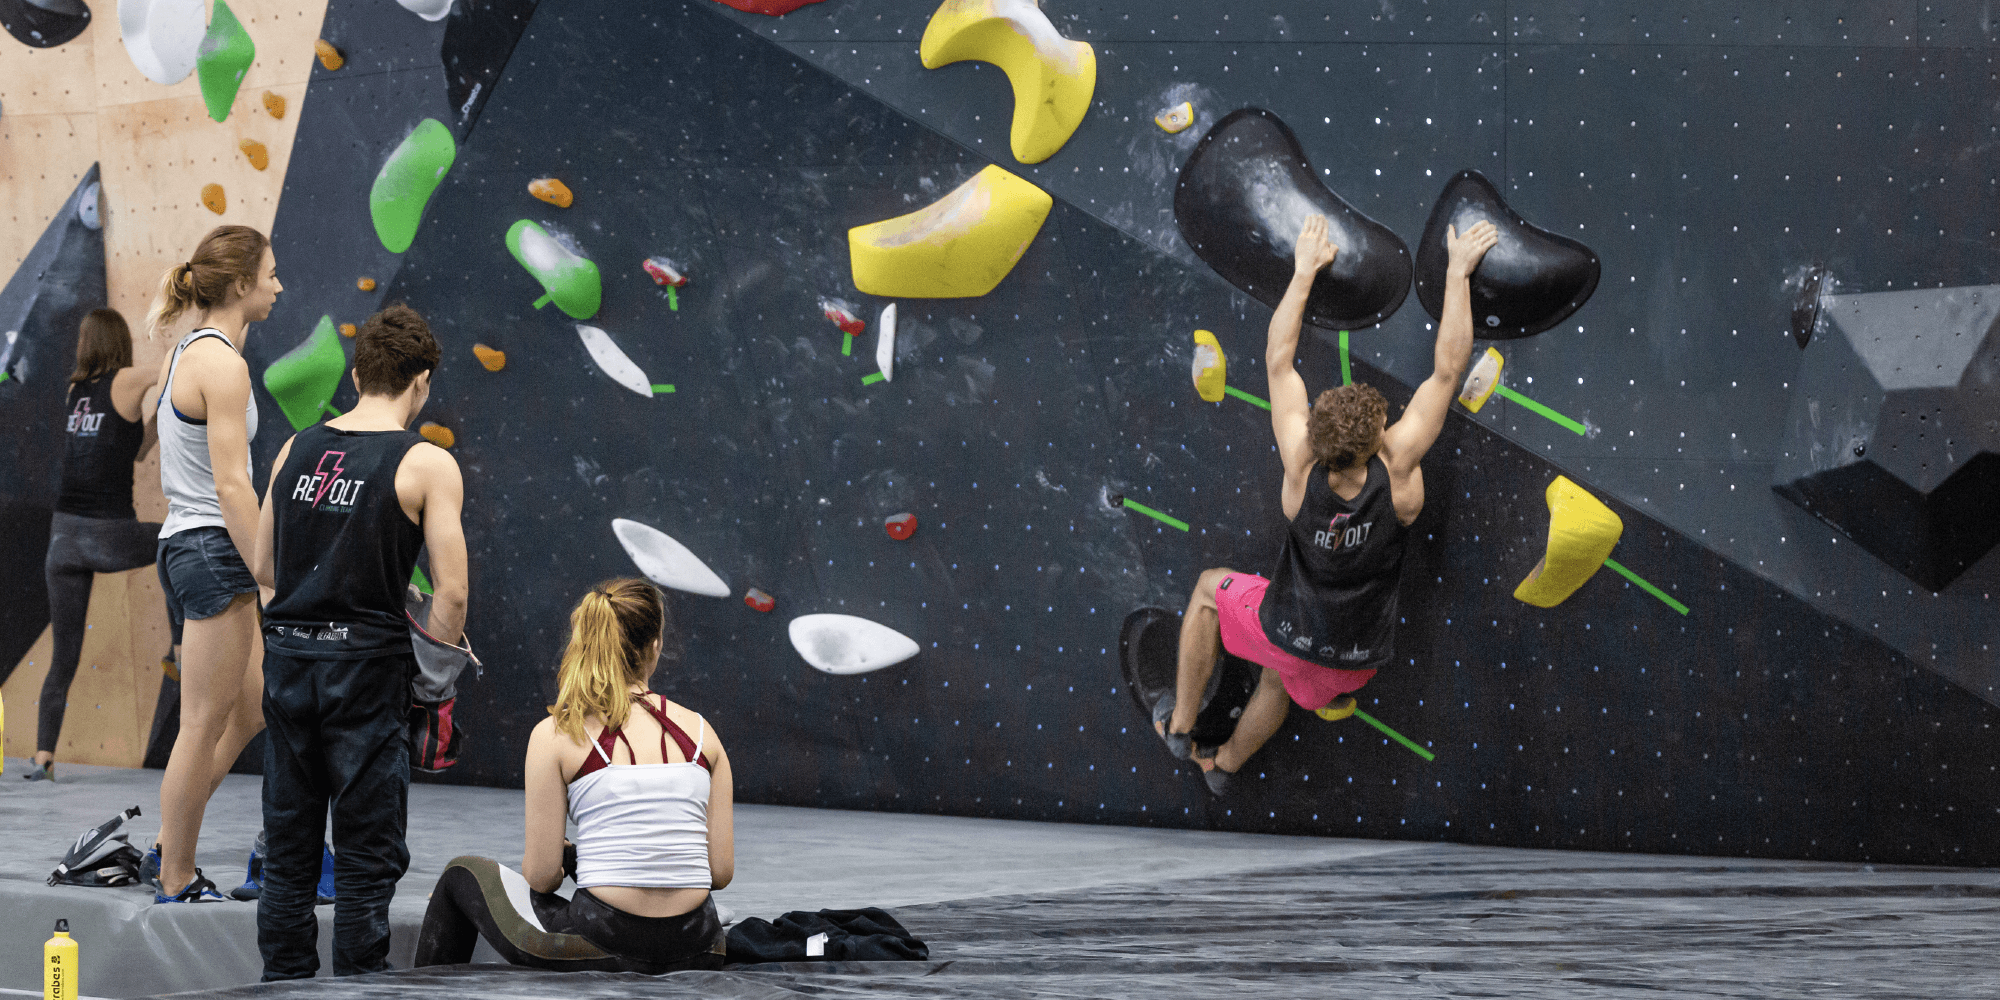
<point>1582,533</point>
<point>960,246</point>
<point>1053,77</point>
<point>1211,367</point>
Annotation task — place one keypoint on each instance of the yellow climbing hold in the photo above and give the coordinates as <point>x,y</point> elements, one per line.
<point>960,246</point>
<point>552,191</point>
<point>348,330</point>
<point>1176,118</point>
<point>213,199</point>
<point>275,104</point>
<point>492,360</point>
<point>1211,368</point>
<point>329,56</point>
<point>365,284</point>
<point>1582,533</point>
<point>1484,379</point>
<point>259,156</point>
<point>1337,709</point>
<point>1053,77</point>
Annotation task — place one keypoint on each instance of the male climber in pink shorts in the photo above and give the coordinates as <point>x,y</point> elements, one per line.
<point>1325,621</point>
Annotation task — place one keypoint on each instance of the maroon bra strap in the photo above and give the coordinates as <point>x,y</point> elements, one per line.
<point>605,740</point>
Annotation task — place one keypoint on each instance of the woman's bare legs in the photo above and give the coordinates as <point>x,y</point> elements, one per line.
<point>222,658</point>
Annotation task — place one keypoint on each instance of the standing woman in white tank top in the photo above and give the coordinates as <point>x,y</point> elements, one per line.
<point>207,418</point>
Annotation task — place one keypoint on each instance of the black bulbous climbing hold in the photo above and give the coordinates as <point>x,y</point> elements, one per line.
<point>1242,197</point>
<point>44,24</point>
<point>1806,304</point>
<point>1530,281</point>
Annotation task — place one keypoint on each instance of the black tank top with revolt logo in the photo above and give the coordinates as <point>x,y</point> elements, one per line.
<point>99,447</point>
<point>342,547</point>
<point>1332,598</point>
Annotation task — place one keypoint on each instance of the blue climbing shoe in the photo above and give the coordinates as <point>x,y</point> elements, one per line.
<point>252,888</point>
<point>325,875</point>
<point>201,890</point>
<point>149,868</point>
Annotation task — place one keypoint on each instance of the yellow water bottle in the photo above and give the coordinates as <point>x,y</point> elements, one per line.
<point>59,965</point>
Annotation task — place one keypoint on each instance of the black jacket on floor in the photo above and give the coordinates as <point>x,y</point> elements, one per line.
<point>864,935</point>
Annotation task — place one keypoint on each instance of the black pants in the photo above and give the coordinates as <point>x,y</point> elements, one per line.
<point>79,549</point>
<point>580,934</point>
<point>335,735</point>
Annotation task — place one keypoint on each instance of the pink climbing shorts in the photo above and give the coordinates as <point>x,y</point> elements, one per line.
<point>1312,686</point>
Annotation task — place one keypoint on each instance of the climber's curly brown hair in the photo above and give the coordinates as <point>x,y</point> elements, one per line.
<point>1345,424</point>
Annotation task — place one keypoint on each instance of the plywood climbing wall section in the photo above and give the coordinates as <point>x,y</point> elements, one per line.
<point>61,110</point>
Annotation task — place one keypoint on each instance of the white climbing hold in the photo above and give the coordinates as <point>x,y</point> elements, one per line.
<point>844,644</point>
<point>885,342</point>
<point>665,561</point>
<point>613,361</point>
<point>163,37</point>
<point>429,10</point>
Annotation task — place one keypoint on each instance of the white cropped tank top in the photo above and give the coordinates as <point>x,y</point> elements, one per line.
<point>186,475</point>
<point>643,824</point>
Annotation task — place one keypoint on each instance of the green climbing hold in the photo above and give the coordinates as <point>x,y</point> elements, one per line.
<point>406,182</point>
<point>571,281</point>
<point>304,380</point>
<point>419,580</point>
<point>224,56</point>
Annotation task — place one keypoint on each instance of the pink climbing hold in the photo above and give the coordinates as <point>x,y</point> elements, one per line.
<point>843,315</point>
<point>775,8</point>
<point>901,526</point>
<point>665,272</point>
<point>759,601</point>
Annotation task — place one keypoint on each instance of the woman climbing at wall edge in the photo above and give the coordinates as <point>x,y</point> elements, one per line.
<point>1324,622</point>
<point>206,420</point>
<point>108,426</point>
<point>655,828</point>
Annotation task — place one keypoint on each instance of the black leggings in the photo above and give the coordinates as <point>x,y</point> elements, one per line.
<point>80,548</point>
<point>584,933</point>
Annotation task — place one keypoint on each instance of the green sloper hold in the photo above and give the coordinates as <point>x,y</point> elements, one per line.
<point>409,177</point>
<point>225,55</point>
<point>304,380</point>
<point>571,282</point>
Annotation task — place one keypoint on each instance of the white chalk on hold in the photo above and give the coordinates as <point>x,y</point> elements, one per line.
<point>163,37</point>
<point>885,342</point>
<point>844,644</point>
<point>613,361</point>
<point>429,10</point>
<point>667,562</point>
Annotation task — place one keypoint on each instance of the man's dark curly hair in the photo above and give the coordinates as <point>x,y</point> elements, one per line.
<point>1344,424</point>
<point>392,348</point>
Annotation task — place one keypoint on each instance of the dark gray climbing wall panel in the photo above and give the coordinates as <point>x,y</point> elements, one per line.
<point>1758,723</point>
<point>1707,152</point>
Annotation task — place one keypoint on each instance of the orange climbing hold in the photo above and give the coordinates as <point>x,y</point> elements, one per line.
<point>492,359</point>
<point>365,284</point>
<point>438,434</point>
<point>213,199</point>
<point>760,601</point>
<point>275,104</point>
<point>901,526</point>
<point>259,156</point>
<point>348,330</point>
<point>552,191</point>
<point>329,57</point>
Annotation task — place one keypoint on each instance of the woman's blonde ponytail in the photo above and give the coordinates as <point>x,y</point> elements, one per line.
<point>174,296</point>
<point>613,623</point>
<point>227,257</point>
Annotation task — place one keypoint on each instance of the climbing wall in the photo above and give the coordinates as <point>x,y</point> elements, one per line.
<point>1702,701</point>
<point>62,109</point>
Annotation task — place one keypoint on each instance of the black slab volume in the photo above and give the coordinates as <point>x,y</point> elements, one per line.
<point>1149,659</point>
<point>44,24</point>
<point>59,281</point>
<point>1241,198</point>
<point>1530,281</point>
<point>479,36</point>
<point>1806,305</point>
<point>1931,538</point>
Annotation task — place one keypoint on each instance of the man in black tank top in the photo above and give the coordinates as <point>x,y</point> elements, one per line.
<point>350,504</point>
<point>1324,622</point>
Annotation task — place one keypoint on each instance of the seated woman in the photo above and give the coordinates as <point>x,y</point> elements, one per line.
<point>652,810</point>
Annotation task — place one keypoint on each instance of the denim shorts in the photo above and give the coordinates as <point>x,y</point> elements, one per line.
<point>201,573</point>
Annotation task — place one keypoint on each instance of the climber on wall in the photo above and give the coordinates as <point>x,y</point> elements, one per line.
<point>1324,622</point>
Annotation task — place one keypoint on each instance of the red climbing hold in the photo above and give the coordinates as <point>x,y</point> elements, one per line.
<point>759,601</point>
<point>665,272</point>
<point>775,8</point>
<point>842,313</point>
<point>901,526</point>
